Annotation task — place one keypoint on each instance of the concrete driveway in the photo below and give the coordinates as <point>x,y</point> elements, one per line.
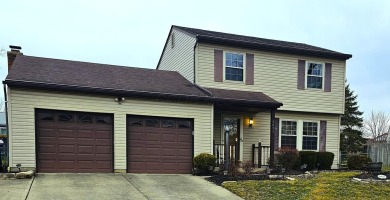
<point>115,186</point>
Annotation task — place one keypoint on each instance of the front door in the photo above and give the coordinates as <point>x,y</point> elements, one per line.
<point>232,125</point>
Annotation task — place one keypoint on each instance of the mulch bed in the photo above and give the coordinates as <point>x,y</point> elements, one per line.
<point>219,179</point>
<point>373,175</point>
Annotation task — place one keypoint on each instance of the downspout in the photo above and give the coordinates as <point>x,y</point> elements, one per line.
<point>196,42</point>
<point>6,120</point>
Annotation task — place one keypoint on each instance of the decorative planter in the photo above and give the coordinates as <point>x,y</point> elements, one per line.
<point>375,166</point>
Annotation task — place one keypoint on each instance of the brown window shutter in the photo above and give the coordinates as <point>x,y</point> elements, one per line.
<point>323,125</point>
<point>218,65</point>
<point>301,74</point>
<point>250,66</point>
<point>328,77</point>
<point>276,133</point>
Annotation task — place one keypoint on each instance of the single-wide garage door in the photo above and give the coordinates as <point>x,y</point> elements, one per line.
<point>159,145</point>
<point>74,141</point>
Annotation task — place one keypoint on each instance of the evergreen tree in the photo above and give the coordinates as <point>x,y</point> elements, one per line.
<point>351,137</point>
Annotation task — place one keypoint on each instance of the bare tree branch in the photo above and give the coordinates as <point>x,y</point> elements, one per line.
<point>2,51</point>
<point>377,124</point>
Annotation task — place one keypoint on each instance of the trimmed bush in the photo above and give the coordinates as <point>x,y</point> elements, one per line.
<point>325,159</point>
<point>287,158</point>
<point>247,167</point>
<point>358,161</point>
<point>308,158</point>
<point>203,161</point>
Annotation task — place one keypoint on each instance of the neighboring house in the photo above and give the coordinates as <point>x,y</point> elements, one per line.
<point>70,116</point>
<point>3,125</point>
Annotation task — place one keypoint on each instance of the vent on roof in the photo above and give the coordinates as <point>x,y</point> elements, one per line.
<point>15,48</point>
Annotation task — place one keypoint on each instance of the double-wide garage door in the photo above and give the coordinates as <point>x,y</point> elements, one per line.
<point>159,145</point>
<point>83,142</point>
<point>74,141</point>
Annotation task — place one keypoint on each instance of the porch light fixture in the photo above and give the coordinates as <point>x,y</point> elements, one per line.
<point>250,122</point>
<point>120,99</point>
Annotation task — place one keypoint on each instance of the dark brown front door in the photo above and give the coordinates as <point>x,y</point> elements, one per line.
<point>74,141</point>
<point>159,145</point>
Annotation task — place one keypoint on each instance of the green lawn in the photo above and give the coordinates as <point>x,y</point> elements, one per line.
<point>324,186</point>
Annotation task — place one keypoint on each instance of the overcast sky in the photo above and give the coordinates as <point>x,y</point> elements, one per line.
<point>133,33</point>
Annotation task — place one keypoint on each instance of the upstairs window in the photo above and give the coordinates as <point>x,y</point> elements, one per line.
<point>315,72</point>
<point>234,67</point>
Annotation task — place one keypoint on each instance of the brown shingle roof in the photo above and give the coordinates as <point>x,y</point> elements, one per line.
<point>245,97</point>
<point>99,76</point>
<point>47,73</point>
<point>262,43</point>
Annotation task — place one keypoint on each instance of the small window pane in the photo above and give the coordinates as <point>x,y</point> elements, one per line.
<point>234,74</point>
<point>314,82</point>
<point>136,121</point>
<point>168,123</point>
<point>309,143</point>
<point>184,124</point>
<point>46,116</point>
<point>103,119</point>
<point>65,117</point>
<point>84,118</point>
<point>152,123</point>
<point>310,128</point>
<point>228,56</point>
<point>289,141</point>
<point>289,128</point>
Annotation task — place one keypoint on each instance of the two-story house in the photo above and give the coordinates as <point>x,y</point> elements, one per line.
<point>210,90</point>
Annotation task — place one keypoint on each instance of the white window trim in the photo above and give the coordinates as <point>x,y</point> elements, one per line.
<point>318,135</point>
<point>323,75</point>
<point>243,67</point>
<point>299,133</point>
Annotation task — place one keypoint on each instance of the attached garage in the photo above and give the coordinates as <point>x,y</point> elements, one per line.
<point>159,145</point>
<point>74,141</point>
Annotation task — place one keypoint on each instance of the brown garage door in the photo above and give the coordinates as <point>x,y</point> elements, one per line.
<point>159,145</point>
<point>74,141</point>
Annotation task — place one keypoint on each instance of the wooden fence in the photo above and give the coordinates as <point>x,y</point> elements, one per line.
<point>260,155</point>
<point>380,153</point>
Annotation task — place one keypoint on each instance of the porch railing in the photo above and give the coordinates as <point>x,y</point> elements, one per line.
<point>260,155</point>
<point>219,152</point>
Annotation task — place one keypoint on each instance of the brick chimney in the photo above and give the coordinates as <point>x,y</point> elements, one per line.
<point>11,55</point>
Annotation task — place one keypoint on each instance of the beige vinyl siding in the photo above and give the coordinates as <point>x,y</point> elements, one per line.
<point>22,128</point>
<point>260,131</point>
<point>276,75</point>
<point>180,58</point>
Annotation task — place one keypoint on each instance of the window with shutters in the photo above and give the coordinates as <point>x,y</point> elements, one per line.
<point>299,134</point>
<point>234,66</point>
<point>314,75</point>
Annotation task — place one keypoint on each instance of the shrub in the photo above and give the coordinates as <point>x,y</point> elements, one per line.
<point>203,161</point>
<point>358,161</point>
<point>309,159</point>
<point>247,167</point>
<point>287,158</point>
<point>325,159</point>
<point>233,169</point>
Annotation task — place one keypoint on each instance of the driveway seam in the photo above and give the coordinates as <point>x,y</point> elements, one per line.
<point>29,188</point>
<point>135,187</point>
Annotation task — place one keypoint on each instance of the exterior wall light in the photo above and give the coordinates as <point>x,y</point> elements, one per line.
<point>250,122</point>
<point>120,99</point>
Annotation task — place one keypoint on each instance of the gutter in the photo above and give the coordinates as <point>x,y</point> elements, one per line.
<point>209,98</point>
<point>6,120</point>
<point>272,48</point>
